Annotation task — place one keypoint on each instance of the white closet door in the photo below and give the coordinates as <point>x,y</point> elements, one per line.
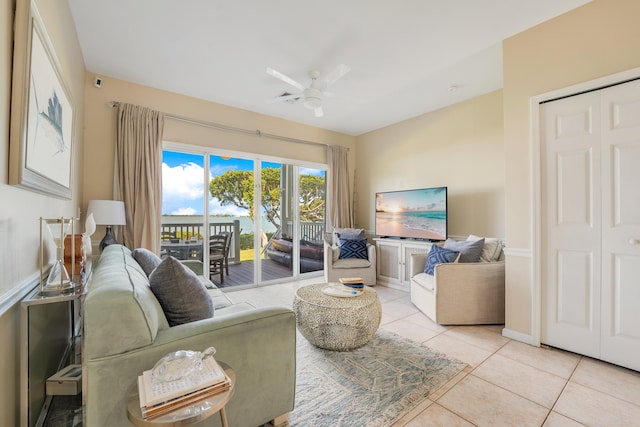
<point>591,224</point>
<point>571,223</point>
<point>621,225</point>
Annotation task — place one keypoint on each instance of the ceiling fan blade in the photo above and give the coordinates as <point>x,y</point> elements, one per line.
<point>318,112</point>
<point>284,98</point>
<point>336,74</point>
<point>284,78</point>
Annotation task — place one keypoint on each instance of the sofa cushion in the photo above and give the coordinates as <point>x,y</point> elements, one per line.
<point>353,248</point>
<point>470,250</point>
<point>180,292</point>
<point>351,263</point>
<point>119,301</point>
<point>220,299</point>
<point>147,259</point>
<point>425,280</point>
<point>492,248</point>
<point>438,255</point>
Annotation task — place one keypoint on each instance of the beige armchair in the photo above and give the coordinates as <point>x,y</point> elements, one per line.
<point>335,268</point>
<point>459,293</point>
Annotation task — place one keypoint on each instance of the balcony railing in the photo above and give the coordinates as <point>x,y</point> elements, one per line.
<point>187,232</point>
<point>184,232</point>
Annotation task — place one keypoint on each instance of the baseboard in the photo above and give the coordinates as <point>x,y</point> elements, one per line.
<point>519,336</point>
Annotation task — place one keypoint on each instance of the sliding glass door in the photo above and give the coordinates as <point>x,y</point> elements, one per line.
<point>230,213</point>
<point>312,189</point>
<point>276,209</point>
<point>274,228</point>
<point>183,229</point>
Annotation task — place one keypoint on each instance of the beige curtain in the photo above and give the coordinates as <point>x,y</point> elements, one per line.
<point>138,176</point>
<point>340,213</point>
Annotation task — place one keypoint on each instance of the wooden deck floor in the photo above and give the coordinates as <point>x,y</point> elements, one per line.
<point>242,274</point>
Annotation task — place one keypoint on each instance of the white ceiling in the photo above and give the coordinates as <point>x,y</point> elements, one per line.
<point>404,55</point>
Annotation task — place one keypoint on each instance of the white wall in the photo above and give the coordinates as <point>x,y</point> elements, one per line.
<point>100,130</point>
<point>20,209</point>
<point>598,39</point>
<point>460,147</point>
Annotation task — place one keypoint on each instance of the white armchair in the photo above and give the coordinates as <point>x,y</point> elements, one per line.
<point>459,293</point>
<point>335,268</point>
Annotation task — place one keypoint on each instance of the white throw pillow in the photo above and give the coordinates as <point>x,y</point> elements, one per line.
<point>491,250</point>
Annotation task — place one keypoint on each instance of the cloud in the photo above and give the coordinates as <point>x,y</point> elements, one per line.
<point>312,172</point>
<point>182,189</point>
<point>233,210</point>
<point>184,211</point>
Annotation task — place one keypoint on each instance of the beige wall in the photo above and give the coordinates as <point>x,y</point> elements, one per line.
<point>100,130</point>
<point>596,40</point>
<point>460,147</point>
<point>20,209</point>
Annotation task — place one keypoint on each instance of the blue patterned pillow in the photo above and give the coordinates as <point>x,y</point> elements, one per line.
<point>438,255</point>
<point>353,248</point>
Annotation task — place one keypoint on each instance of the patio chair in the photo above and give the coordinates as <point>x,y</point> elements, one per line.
<point>227,246</point>
<point>219,255</point>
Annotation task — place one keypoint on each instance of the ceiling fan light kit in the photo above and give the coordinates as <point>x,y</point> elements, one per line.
<point>313,95</point>
<point>312,98</point>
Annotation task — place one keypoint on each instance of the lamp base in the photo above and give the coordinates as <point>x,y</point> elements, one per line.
<point>107,239</point>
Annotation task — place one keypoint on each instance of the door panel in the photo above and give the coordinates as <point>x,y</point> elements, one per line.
<point>575,290</point>
<point>575,194</point>
<point>571,223</point>
<point>621,225</point>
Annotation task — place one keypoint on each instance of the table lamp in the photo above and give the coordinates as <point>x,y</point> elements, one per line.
<point>108,213</point>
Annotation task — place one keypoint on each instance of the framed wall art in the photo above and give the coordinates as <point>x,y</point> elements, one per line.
<point>41,133</point>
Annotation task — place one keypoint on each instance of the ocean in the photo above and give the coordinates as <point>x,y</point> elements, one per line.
<point>423,224</point>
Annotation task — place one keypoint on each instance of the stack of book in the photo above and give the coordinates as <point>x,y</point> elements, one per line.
<point>160,397</point>
<point>353,283</point>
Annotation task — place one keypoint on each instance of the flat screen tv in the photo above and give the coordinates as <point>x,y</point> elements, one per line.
<point>413,214</point>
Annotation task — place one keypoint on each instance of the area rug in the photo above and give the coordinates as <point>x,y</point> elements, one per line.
<point>371,386</point>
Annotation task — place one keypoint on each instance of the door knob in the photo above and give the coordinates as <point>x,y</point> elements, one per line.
<point>633,241</point>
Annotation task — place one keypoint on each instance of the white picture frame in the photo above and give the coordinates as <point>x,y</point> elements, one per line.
<point>41,132</point>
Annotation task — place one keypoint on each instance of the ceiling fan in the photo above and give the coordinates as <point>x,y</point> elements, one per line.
<point>313,95</point>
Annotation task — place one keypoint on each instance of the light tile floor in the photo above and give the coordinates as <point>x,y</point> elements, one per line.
<point>506,383</point>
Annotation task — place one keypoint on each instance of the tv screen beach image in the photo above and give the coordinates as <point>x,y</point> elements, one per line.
<point>420,214</point>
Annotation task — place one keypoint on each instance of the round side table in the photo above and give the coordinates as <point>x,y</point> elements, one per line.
<point>336,323</point>
<point>191,414</point>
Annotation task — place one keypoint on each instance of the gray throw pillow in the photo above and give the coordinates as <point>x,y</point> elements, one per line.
<point>147,260</point>
<point>346,233</point>
<point>180,292</point>
<point>470,251</point>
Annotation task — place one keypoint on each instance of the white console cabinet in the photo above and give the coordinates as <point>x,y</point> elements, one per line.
<point>392,258</point>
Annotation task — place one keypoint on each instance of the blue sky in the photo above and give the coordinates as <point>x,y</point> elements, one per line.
<point>183,186</point>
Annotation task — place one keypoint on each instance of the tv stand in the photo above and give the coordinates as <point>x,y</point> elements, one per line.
<point>392,260</point>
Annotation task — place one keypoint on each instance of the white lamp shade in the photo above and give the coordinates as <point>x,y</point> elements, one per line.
<point>107,212</point>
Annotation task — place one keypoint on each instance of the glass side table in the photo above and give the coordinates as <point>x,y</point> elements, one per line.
<point>187,415</point>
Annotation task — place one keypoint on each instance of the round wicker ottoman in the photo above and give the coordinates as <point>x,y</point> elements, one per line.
<point>336,323</point>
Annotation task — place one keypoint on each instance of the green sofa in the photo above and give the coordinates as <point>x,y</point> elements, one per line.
<point>126,332</point>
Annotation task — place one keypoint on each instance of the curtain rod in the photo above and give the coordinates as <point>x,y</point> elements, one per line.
<point>226,128</point>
